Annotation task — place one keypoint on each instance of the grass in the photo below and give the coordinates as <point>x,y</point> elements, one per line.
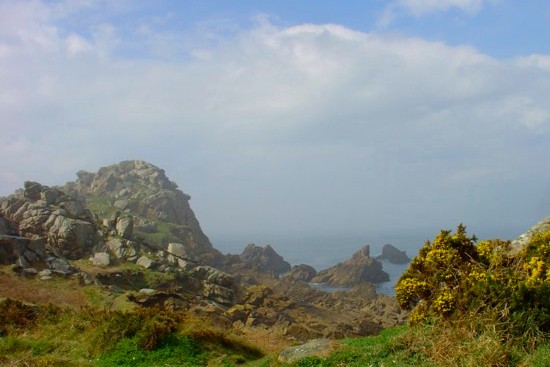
<point>451,345</point>
<point>51,336</point>
<point>54,336</point>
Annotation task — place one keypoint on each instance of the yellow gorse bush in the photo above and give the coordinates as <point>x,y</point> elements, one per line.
<point>453,277</point>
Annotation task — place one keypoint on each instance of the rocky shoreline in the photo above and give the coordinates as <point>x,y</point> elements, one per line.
<point>131,213</point>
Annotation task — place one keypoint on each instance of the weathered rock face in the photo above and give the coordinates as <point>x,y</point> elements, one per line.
<point>144,191</point>
<point>519,243</point>
<point>360,268</point>
<point>62,223</point>
<point>394,255</point>
<point>264,259</point>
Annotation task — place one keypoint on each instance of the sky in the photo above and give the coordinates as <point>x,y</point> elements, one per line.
<point>290,117</point>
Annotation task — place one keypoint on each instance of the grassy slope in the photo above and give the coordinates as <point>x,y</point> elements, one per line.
<point>83,332</point>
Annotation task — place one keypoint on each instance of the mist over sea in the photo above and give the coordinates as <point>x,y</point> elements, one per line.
<point>325,251</point>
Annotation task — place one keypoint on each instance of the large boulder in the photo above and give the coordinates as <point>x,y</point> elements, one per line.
<point>264,259</point>
<point>125,227</point>
<point>394,255</point>
<point>359,269</point>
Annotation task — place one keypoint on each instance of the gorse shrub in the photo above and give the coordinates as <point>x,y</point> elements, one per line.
<point>455,279</point>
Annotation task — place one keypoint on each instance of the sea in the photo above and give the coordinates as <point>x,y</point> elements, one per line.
<point>323,252</point>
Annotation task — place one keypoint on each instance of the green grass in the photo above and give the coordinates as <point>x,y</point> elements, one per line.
<point>174,350</point>
<point>426,346</point>
<point>52,336</point>
<point>384,349</point>
<point>162,236</point>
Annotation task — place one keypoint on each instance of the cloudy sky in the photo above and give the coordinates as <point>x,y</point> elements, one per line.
<point>290,116</point>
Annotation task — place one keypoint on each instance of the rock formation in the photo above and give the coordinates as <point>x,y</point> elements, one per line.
<point>393,255</point>
<point>264,259</point>
<point>131,212</point>
<point>48,216</point>
<point>135,198</point>
<point>302,272</point>
<point>359,269</point>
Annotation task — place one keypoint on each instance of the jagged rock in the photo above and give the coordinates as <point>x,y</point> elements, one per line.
<point>264,259</point>
<point>145,262</point>
<point>302,272</point>
<point>60,266</point>
<point>255,295</point>
<point>212,275</point>
<point>519,243</point>
<point>144,191</point>
<point>360,268</point>
<point>316,347</point>
<point>219,294</point>
<point>125,227</point>
<point>185,265</point>
<point>394,255</point>
<point>177,249</point>
<point>101,259</point>
<point>66,227</point>
<point>121,248</point>
<point>69,237</point>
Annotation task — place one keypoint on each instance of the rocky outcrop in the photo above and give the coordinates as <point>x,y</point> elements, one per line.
<point>519,243</point>
<point>141,196</point>
<point>47,215</point>
<point>359,269</point>
<point>302,272</point>
<point>393,255</point>
<point>264,259</point>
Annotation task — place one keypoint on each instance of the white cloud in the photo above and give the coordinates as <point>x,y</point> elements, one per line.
<point>382,123</point>
<point>75,44</point>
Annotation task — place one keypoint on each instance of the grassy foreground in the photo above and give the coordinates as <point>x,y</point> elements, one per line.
<point>33,335</point>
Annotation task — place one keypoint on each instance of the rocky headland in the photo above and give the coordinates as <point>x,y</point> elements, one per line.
<point>129,230</point>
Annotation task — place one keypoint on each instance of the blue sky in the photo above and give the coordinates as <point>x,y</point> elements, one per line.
<point>290,116</point>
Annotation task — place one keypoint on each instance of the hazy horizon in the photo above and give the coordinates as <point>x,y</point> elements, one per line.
<point>283,118</point>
